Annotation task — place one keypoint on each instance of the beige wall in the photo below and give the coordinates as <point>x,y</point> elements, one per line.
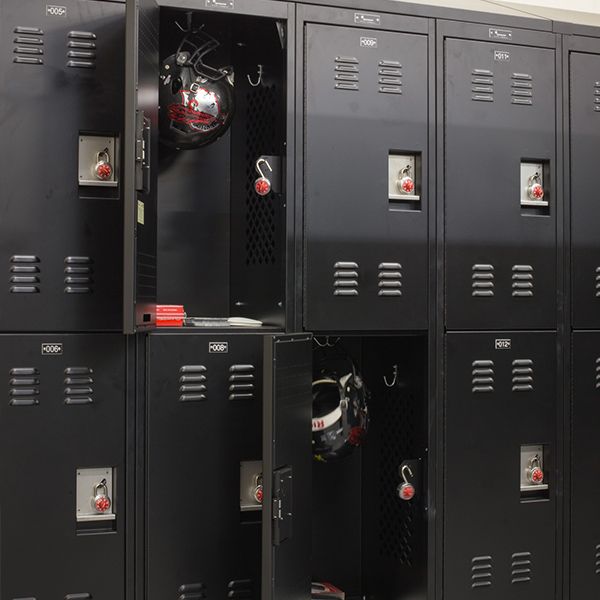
<point>583,5</point>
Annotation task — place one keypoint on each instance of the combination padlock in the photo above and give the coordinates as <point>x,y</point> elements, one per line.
<point>101,501</point>
<point>258,489</point>
<point>535,189</point>
<point>406,184</point>
<point>103,169</point>
<point>535,474</point>
<point>406,490</point>
<point>262,186</point>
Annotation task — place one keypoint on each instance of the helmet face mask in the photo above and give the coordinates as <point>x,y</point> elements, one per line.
<point>197,101</point>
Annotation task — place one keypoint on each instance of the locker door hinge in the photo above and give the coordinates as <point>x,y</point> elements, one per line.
<point>142,152</point>
<point>282,505</point>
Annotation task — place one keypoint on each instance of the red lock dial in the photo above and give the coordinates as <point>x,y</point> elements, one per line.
<point>537,476</point>
<point>102,504</point>
<point>104,171</point>
<point>406,491</point>
<point>262,186</point>
<point>407,185</point>
<point>536,191</point>
<point>258,494</point>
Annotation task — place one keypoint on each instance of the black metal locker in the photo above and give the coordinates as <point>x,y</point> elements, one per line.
<point>585,464</point>
<point>61,77</point>
<point>366,120</point>
<point>584,111</point>
<point>63,412</point>
<point>204,435</point>
<point>501,196</point>
<point>501,401</point>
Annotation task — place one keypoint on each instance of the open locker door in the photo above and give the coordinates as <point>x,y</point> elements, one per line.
<point>140,158</point>
<point>287,467</point>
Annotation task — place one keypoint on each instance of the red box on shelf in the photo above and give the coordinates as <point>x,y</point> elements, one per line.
<point>170,315</point>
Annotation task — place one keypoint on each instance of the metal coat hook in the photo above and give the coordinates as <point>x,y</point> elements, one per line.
<point>188,16</point>
<point>327,343</point>
<point>394,380</point>
<point>260,77</point>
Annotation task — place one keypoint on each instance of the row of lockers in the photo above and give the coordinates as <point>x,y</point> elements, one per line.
<point>510,203</point>
<point>185,501</point>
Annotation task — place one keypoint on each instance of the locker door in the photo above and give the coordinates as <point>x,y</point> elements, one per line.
<point>499,533</point>
<point>64,412</point>
<point>140,165</point>
<point>585,464</point>
<point>287,464</point>
<point>500,247</point>
<point>61,76</point>
<point>366,120</point>
<point>585,133</point>
<point>204,434</point>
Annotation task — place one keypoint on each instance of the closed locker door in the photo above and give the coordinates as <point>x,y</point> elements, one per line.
<point>500,527</point>
<point>585,465</point>
<point>584,72</point>
<point>62,430</point>
<point>501,197</point>
<point>204,415</point>
<point>61,114</point>
<point>366,127</point>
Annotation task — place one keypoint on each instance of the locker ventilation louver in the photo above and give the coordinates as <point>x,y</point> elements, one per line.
<point>522,375</point>
<point>191,591</point>
<point>482,85</point>
<point>79,386</point>
<point>597,96</point>
<point>241,382</point>
<point>81,50</point>
<point>482,280</point>
<point>390,279</point>
<point>78,275</point>
<point>24,274</point>
<point>192,383</point>
<point>261,113</point>
<point>598,373</point>
<point>521,89</point>
<point>24,386</point>
<point>397,521</point>
<point>481,572</point>
<point>598,281</point>
<point>482,376</point>
<point>241,588</point>
<point>345,278</point>
<point>29,45</point>
<point>390,77</point>
<point>521,568</point>
<point>346,73</point>
<point>597,559</point>
<point>522,281</point>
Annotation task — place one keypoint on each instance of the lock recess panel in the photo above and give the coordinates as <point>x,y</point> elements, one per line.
<point>397,163</point>
<point>530,169</point>
<point>87,480</point>
<point>531,490</point>
<point>89,147</point>
<point>250,473</point>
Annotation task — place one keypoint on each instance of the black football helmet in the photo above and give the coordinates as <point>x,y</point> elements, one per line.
<point>340,414</point>
<point>197,101</point>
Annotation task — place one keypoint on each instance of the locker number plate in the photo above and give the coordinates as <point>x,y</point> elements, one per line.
<point>50,349</point>
<point>502,344</point>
